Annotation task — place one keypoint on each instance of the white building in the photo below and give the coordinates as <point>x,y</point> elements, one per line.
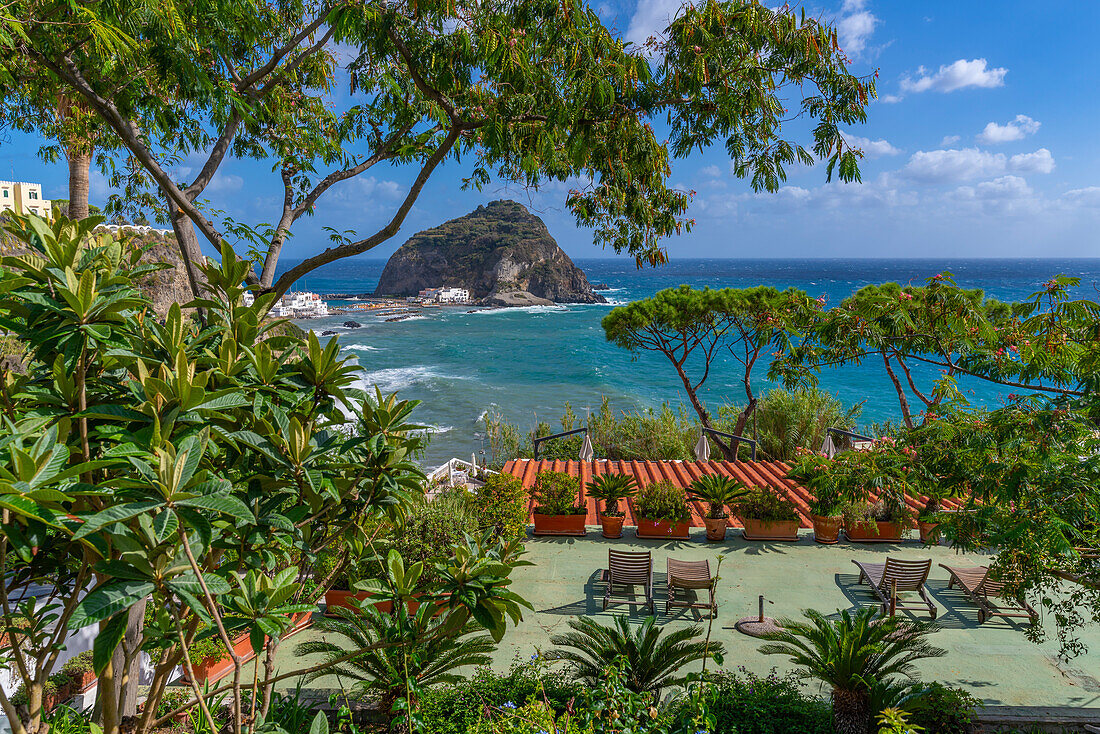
<point>445,295</point>
<point>300,305</point>
<point>138,228</point>
<point>24,198</point>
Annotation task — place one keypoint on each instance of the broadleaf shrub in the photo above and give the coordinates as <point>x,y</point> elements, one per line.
<point>501,504</point>
<point>662,500</point>
<point>458,708</point>
<point>771,704</point>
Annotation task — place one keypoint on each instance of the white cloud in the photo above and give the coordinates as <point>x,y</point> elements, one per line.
<point>952,165</point>
<point>945,166</point>
<point>710,171</point>
<point>224,182</point>
<point>1088,196</point>
<point>854,27</point>
<point>650,18</point>
<point>871,148</point>
<point>1007,195</point>
<point>949,140</point>
<point>1005,187</point>
<point>1041,161</point>
<point>890,98</point>
<point>958,75</point>
<point>1017,129</point>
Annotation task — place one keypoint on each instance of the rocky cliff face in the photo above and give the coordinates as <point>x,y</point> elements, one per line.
<point>498,252</point>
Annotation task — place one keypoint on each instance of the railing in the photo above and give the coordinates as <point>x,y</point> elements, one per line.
<point>538,441</point>
<point>849,434</point>
<point>734,439</point>
<point>457,471</point>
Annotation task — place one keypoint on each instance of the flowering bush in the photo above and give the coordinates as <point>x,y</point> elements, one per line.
<point>556,494</point>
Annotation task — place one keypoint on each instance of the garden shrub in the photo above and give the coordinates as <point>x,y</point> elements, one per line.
<point>662,500</point>
<point>944,710</point>
<point>766,504</point>
<point>458,708</point>
<point>501,504</point>
<point>556,493</point>
<point>772,704</point>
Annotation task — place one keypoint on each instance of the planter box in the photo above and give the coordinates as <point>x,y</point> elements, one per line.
<point>662,529</point>
<point>827,529</point>
<point>769,530</point>
<point>341,598</point>
<point>612,525</point>
<point>559,524</point>
<point>888,532</point>
<point>298,622</point>
<point>215,668</point>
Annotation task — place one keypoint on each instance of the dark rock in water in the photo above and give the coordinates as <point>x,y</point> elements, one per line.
<point>500,252</point>
<point>601,287</point>
<point>327,333</point>
<point>353,324</point>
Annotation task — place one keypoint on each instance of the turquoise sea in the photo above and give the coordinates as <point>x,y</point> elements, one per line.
<point>527,363</point>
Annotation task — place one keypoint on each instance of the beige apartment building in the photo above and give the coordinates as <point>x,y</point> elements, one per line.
<point>25,198</point>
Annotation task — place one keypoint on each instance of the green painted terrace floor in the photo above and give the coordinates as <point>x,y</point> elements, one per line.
<point>994,661</point>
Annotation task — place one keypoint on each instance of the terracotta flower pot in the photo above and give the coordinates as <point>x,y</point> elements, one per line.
<point>716,528</point>
<point>769,530</point>
<point>559,524</point>
<point>298,622</point>
<point>612,525</point>
<point>827,529</point>
<point>217,667</point>
<point>929,532</point>
<point>662,529</point>
<point>888,532</point>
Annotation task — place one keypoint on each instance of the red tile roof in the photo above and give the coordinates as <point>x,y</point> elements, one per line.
<point>682,474</point>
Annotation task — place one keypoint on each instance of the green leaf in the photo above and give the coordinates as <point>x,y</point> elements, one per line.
<point>115,514</point>
<point>320,724</point>
<point>106,601</point>
<point>106,642</point>
<point>221,503</point>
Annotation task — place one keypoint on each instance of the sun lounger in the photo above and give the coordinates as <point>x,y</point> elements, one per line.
<point>980,588</point>
<point>889,579</point>
<point>691,575</point>
<point>628,569</point>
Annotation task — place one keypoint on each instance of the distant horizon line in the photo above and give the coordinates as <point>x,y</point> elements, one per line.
<point>954,258</point>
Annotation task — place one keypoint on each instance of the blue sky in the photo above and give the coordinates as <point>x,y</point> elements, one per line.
<point>983,143</point>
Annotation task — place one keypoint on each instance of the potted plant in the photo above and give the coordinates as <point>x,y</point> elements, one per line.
<point>340,592</point>
<point>557,511</point>
<point>718,492</point>
<point>823,477</point>
<point>610,489</point>
<point>662,511</point>
<point>766,514</point>
<point>827,515</point>
<point>79,670</point>
<point>884,521</point>
<point>211,662</point>
<point>928,521</point>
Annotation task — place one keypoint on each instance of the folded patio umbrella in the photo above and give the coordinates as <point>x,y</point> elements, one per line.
<point>702,448</point>
<point>587,452</point>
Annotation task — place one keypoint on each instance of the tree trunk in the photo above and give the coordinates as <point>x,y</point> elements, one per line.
<point>728,451</point>
<point>80,164</point>
<point>906,415</point>
<point>130,649</point>
<point>850,714</point>
<point>190,249</point>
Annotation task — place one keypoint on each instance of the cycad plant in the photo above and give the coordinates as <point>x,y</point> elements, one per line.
<point>718,492</point>
<point>853,655</point>
<point>403,653</point>
<point>651,661</point>
<point>610,489</point>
